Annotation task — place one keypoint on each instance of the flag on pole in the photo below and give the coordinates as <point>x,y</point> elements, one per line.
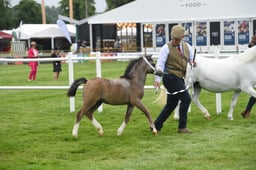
<point>64,29</point>
<point>19,31</point>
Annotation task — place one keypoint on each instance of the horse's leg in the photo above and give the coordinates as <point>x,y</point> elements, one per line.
<point>126,119</point>
<point>250,90</point>
<point>79,116</point>
<point>88,113</point>
<point>95,123</point>
<point>233,104</point>
<point>140,106</point>
<point>195,99</point>
<point>176,115</point>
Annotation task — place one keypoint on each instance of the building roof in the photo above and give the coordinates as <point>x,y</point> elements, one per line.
<point>150,11</point>
<point>4,35</point>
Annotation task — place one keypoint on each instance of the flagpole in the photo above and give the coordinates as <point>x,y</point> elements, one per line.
<point>43,12</point>
<point>71,9</point>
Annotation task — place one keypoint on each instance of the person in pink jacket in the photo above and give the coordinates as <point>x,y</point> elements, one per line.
<point>32,53</point>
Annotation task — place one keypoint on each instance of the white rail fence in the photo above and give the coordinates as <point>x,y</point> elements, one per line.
<point>71,58</point>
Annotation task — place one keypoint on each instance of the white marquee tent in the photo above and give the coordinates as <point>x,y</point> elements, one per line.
<point>27,31</point>
<point>148,11</point>
<point>181,11</point>
<point>43,31</point>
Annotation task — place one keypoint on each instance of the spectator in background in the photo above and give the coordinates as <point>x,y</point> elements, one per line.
<point>252,100</point>
<point>117,46</point>
<point>56,65</point>
<point>32,53</point>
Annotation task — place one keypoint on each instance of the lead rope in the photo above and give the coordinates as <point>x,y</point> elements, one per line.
<point>180,91</point>
<point>150,65</point>
<point>190,76</point>
<point>153,68</point>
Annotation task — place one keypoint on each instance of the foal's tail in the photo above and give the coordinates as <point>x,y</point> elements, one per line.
<point>74,86</point>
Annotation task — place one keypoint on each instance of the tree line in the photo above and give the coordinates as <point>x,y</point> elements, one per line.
<point>29,11</point>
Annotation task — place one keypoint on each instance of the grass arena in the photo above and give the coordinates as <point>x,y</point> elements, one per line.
<point>36,128</point>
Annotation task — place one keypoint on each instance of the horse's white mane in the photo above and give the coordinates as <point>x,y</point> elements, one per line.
<point>248,55</point>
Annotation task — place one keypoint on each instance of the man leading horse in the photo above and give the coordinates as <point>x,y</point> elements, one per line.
<point>172,64</point>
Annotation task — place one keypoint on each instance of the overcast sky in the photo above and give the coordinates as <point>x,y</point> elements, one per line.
<point>100,4</point>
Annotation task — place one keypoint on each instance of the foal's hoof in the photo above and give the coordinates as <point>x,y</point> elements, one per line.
<point>207,117</point>
<point>75,136</point>
<point>100,131</point>
<point>176,117</point>
<point>154,131</point>
<point>230,118</point>
<point>119,132</point>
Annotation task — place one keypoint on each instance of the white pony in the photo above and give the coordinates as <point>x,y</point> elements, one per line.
<point>235,73</point>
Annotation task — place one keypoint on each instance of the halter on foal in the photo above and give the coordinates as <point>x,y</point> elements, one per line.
<point>129,89</point>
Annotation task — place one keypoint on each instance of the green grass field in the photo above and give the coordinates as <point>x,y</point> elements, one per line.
<point>36,129</point>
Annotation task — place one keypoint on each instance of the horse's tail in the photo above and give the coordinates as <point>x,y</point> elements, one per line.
<point>74,86</point>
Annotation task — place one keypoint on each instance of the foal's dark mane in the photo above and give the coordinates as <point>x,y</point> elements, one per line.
<point>129,68</point>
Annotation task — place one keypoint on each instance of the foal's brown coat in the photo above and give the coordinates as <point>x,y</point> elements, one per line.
<point>129,89</point>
